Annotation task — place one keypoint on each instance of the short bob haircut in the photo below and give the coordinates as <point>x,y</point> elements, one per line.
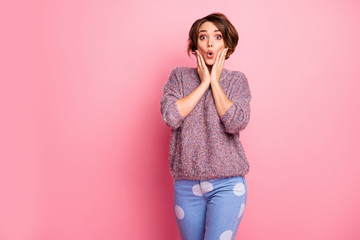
<point>230,35</point>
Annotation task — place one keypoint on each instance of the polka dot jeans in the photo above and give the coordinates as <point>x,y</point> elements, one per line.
<point>210,209</point>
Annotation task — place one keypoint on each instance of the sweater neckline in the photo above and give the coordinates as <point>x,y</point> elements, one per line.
<point>222,76</point>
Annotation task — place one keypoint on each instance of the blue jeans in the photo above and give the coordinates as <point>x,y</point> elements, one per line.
<point>209,209</point>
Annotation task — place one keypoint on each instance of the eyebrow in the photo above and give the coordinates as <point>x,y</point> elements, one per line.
<point>206,31</point>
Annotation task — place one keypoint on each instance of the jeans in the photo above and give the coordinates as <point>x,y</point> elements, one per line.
<point>209,209</point>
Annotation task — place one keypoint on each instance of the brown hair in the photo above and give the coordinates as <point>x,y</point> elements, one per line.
<point>230,35</point>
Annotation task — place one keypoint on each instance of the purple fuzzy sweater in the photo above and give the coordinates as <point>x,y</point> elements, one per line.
<point>204,145</point>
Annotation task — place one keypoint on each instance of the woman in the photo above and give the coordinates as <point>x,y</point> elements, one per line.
<point>206,108</point>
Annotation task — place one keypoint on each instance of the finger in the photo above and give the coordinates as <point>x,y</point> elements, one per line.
<point>218,57</point>
<point>198,59</point>
<point>223,56</point>
<point>205,67</point>
<point>202,62</point>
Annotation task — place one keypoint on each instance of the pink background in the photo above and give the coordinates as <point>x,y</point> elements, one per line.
<point>84,150</point>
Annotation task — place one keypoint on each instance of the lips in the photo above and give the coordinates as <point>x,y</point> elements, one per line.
<point>210,54</point>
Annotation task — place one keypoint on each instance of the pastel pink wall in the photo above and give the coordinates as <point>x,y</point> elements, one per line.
<point>84,151</point>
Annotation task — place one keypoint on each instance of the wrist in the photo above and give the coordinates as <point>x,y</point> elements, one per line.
<point>207,80</point>
<point>206,83</point>
<point>212,81</point>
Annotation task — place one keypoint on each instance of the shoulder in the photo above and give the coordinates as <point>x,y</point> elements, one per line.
<point>183,73</point>
<point>235,74</point>
<point>238,79</point>
<point>182,70</point>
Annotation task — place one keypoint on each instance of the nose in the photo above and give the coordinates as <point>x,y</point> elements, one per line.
<point>210,43</point>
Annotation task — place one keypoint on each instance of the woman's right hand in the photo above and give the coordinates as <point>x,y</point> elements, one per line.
<point>202,69</point>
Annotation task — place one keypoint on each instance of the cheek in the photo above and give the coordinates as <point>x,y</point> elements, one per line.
<point>202,51</point>
<point>201,47</point>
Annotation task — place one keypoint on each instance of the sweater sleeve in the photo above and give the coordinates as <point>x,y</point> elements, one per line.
<point>236,118</point>
<point>171,93</point>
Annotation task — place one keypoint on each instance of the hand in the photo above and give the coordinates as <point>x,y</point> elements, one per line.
<point>202,69</point>
<point>218,66</point>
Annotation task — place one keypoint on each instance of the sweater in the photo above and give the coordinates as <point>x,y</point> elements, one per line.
<point>204,145</point>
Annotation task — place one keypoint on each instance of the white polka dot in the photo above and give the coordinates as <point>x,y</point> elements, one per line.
<point>242,208</point>
<point>239,189</point>
<point>206,187</point>
<point>197,190</point>
<point>226,235</point>
<point>179,212</point>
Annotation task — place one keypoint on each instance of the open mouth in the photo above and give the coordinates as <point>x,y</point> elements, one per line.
<point>210,54</point>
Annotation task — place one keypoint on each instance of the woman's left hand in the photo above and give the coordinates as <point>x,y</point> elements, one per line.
<point>218,66</point>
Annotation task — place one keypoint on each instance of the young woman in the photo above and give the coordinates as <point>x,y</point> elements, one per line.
<point>206,108</point>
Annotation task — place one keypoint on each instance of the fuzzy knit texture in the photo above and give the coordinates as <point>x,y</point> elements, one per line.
<point>204,145</point>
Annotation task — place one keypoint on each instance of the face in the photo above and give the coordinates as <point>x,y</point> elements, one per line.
<point>210,39</point>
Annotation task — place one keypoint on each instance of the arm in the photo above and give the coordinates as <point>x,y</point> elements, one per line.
<point>222,103</point>
<point>188,103</point>
<point>173,107</point>
<point>234,111</point>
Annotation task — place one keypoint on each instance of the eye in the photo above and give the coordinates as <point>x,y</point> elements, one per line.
<point>219,36</point>
<point>201,37</point>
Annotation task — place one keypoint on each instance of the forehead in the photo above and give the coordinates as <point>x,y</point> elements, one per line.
<point>208,27</point>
